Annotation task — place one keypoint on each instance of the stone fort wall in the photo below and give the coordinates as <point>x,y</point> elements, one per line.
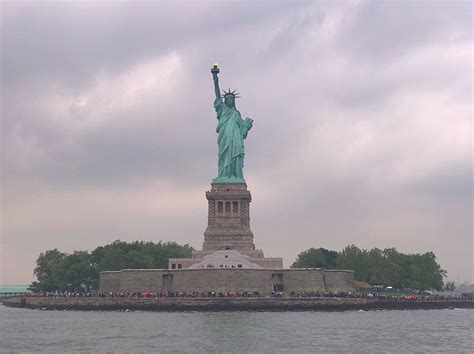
<point>221,280</point>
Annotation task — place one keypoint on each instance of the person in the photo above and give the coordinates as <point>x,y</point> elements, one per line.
<point>231,130</point>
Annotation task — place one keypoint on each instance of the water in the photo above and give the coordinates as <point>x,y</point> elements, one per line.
<point>25,330</point>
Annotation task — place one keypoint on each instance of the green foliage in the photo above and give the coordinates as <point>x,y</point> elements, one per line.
<point>316,258</point>
<point>46,270</point>
<point>375,266</point>
<point>449,286</point>
<point>76,272</point>
<point>80,270</point>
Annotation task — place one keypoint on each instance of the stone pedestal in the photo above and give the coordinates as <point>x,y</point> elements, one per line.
<point>228,240</point>
<point>228,218</point>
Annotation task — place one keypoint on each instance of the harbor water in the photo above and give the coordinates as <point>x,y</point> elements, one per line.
<point>24,331</point>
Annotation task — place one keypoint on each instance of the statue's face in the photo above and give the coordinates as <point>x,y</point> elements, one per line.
<point>229,100</point>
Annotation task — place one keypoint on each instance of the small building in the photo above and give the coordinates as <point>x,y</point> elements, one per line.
<point>8,291</point>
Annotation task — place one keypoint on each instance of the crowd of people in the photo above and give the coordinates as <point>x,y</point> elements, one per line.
<point>144,294</point>
<point>390,297</point>
<point>254,294</point>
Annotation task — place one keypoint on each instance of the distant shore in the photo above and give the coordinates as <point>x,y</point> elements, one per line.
<point>228,304</point>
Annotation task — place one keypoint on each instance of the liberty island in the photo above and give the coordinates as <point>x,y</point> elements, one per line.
<point>229,260</point>
<point>229,273</point>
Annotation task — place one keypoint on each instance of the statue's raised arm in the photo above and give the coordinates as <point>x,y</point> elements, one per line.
<point>215,71</point>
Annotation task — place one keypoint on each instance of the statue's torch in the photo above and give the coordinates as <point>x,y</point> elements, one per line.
<point>215,69</point>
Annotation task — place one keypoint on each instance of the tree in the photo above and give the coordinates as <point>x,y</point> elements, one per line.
<point>425,272</point>
<point>352,257</point>
<point>46,264</point>
<point>316,258</point>
<point>80,270</point>
<point>449,286</point>
<point>375,266</point>
<point>76,272</point>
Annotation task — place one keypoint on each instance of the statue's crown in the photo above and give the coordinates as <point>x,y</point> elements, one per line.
<point>233,93</point>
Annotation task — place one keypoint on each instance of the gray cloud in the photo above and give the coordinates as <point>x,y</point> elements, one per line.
<point>362,117</point>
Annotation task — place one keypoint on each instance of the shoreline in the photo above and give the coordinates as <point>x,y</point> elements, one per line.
<point>228,304</point>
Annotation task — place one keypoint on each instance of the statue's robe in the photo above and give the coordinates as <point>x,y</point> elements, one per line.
<point>232,130</point>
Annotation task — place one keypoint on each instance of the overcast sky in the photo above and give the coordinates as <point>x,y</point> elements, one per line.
<point>362,124</point>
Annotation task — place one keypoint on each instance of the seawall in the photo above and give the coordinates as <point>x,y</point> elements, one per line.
<point>227,304</point>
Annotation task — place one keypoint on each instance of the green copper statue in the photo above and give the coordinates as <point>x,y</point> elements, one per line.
<point>232,130</point>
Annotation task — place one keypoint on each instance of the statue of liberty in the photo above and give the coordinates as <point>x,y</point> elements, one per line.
<point>231,130</point>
